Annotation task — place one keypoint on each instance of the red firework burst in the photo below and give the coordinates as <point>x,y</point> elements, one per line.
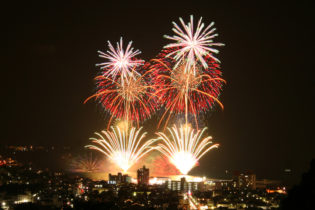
<point>181,91</point>
<point>129,99</point>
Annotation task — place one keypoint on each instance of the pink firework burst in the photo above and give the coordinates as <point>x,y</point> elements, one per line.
<point>119,61</point>
<point>192,45</point>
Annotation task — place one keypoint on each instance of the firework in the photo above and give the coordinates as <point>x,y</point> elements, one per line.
<point>123,125</point>
<point>187,75</point>
<point>123,147</point>
<point>185,147</point>
<point>85,163</point>
<point>119,61</point>
<point>192,46</point>
<point>131,100</point>
<point>183,92</point>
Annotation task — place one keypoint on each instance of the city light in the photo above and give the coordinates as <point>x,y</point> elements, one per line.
<point>24,200</point>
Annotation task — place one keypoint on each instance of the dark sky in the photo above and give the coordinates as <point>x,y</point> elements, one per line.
<point>50,52</point>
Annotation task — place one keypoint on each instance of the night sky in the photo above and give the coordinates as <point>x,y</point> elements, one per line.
<point>50,52</point>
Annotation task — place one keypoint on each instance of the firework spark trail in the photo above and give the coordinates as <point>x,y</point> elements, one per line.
<point>133,100</point>
<point>120,62</point>
<point>121,89</point>
<point>193,58</point>
<point>85,163</point>
<point>183,91</point>
<point>185,147</point>
<point>123,147</point>
<point>192,45</point>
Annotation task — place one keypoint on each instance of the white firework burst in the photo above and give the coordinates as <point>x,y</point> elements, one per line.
<point>123,147</point>
<point>193,45</point>
<point>185,147</point>
<point>120,62</point>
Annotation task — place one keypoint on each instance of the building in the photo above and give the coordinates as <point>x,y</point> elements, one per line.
<point>218,184</point>
<point>267,183</point>
<point>245,180</point>
<point>143,176</point>
<point>183,185</point>
<point>288,179</point>
<point>158,180</point>
<point>101,186</point>
<point>119,179</point>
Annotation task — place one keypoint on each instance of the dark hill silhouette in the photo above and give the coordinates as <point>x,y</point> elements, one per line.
<point>302,196</point>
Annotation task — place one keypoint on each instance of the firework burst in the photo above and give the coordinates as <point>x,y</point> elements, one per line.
<point>187,75</point>
<point>132,100</point>
<point>85,163</point>
<point>119,61</point>
<point>185,147</point>
<point>192,45</point>
<point>183,92</point>
<point>123,147</point>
